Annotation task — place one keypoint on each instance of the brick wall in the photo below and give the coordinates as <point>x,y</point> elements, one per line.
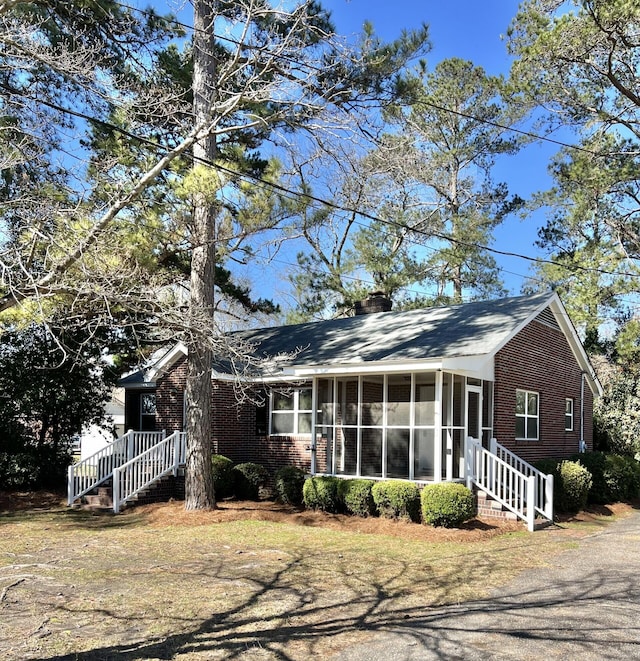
<point>234,431</point>
<point>540,359</point>
<point>170,397</point>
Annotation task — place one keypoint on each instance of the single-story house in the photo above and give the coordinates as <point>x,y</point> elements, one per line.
<point>388,394</point>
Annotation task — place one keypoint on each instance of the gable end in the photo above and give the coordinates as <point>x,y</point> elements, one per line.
<point>547,318</point>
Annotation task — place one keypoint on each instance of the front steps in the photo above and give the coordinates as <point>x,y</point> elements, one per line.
<point>100,499</point>
<point>490,508</point>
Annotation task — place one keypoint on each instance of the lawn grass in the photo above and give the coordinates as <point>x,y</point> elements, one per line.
<point>80,586</point>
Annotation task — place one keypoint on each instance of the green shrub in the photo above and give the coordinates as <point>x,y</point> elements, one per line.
<point>447,504</point>
<point>249,477</point>
<point>321,493</point>
<point>288,485</point>
<point>355,496</point>
<point>622,477</point>
<point>576,482</point>
<point>397,499</point>
<point>18,471</point>
<point>223,475</point>
<point>595,463</point>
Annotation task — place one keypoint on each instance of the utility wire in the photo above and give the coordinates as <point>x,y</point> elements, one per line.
<point>481,120</point>
<point>314,198</point>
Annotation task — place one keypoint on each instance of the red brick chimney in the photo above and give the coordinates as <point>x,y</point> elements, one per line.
<point>375,302</point>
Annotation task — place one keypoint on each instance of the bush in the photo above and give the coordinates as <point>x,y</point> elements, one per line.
<point>18,471</point>
<point>595,463</point>
<point>576,482</point>
<point>622,477</point>
<point>447,505</point>
<point>321,493</point>
<point>397,499</point>
<point>288,485</point>
<point>355,496</point>
<point>248,478</point>
<point>223,475</point>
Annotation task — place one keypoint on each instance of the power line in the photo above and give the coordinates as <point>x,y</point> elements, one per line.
<point>313,198</point>
<point>481,120</point>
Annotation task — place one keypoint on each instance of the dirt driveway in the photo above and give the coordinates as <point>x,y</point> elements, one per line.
<point>585,605</point>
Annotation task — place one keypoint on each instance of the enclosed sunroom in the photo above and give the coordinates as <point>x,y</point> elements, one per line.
<point>408,425</point>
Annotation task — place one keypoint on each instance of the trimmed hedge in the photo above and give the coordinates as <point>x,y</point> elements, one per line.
<point>249,477</point>
<point>397,499</point>
<point>356,498</point>
<point>321,493</point>
<point>447,505</point>
<point>288,485</point>
<point>576,482</point>
<point>223,476</point>
<point>595,463</point>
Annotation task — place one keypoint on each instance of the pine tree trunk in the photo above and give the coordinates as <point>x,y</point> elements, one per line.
<point>199,492</point>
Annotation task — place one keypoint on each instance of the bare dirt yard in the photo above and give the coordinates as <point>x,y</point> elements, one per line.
<point>248,580</point>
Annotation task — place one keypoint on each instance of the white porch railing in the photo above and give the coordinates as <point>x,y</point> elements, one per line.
<point>143,470</point>
<point>94,470</point>
<point>509,480</point>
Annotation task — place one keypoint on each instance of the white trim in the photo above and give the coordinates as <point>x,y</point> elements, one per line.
<point>167,361</point>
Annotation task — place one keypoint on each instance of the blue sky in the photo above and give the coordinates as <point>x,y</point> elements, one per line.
<point>473,30</point>
<point>469,29</point>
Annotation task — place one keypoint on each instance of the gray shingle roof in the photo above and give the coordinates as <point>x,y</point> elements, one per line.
<point>469,329</point>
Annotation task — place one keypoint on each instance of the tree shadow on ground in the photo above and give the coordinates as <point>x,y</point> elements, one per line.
<point>568,612</point>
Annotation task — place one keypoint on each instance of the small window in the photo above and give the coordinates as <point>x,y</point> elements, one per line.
<point>147,411</point>
<point>291,412</point>
<point>568,414</point>
<point>527,415</point>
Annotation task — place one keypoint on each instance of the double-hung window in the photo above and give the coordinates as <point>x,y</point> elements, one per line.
<point>291,411</point>
<point>527,415</point>
<point>568,414</point>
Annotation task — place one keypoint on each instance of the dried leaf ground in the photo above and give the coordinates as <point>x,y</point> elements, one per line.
<point>249,580</point>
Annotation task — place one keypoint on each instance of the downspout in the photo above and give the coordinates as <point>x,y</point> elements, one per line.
<point>582,447</point>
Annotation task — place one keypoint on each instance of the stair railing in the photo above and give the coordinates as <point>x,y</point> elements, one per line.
<point>130,478</point>
<point>518,488</point>
<point>97,468</point>
<point>544,482</point>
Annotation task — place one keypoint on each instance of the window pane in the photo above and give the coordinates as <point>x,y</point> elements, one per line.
<point>372,388</point>
<point>282,401</point>
<point>425,400</point>
<point>447,381</point>
<point>532,427</point>
<point>520,427</point>
<point>282,423</point>
<point>304,399</point>
<point>347,451</point>
<point>371,462</point>
<point>458,400</point>
<point>348,402</point>
<point>424,454</point>
<point>532,404</point>
<point>148,403</point>
<point>398,400</point>
<point>458,453</point>
<point>521,399</point>
<point>304,423</point>
<point>568,406</point>
<point>325,402</point>
<point>398,453</point>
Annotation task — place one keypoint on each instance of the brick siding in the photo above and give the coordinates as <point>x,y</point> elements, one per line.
<point>539,359</point>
